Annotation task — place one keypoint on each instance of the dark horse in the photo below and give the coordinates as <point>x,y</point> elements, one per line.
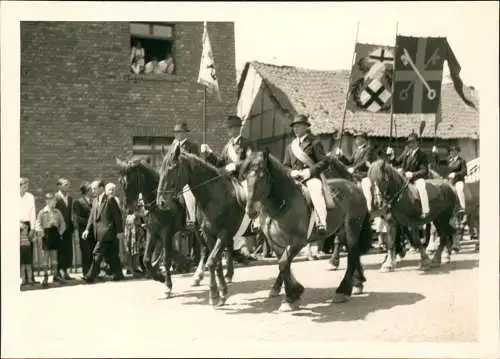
<point>220,201</point>
<point>286,215</point>
<point>139,177</point>
<point>395,193</point>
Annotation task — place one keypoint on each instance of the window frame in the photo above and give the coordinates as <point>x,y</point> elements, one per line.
<point>150,146</point>
<point>172,39</point>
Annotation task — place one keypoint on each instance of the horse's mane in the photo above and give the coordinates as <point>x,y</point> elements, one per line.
<point>377,168</point>
<point>280,175</point>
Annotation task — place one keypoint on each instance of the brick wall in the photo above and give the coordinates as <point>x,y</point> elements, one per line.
<point>80,106</point>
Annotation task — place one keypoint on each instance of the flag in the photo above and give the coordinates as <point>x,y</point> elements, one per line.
<point>418,74</point>
<point>207,75</point>
<point>455,69</point>
<point>370,83</point>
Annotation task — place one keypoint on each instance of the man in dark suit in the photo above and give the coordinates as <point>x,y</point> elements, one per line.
<point>81,213</point>
<point>360,163</point>
<point>64,203</point>
<point>306,158</point>
<point>181,133</point>
<point>415,166</point>
<point>107,225</point>
<point>457,170</point>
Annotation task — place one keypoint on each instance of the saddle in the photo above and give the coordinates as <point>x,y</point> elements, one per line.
<point>330,200</point>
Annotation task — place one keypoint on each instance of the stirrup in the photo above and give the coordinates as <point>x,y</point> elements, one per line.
<point>190,225</point>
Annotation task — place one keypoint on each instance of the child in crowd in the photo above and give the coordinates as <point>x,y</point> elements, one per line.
<point>26,255</point>
<point>50,226</point>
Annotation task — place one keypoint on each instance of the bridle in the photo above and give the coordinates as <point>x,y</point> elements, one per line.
<point>388,200</point>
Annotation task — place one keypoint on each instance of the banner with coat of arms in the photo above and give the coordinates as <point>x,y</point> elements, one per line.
<point>370,84</point>
<point>419,71</point>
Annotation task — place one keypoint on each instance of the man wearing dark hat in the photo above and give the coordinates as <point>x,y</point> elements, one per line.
<point>360,162</point>
<point>415,165</point>
<point>181,132</point>
<point>235,151</point>
<point>457,170</point>
<point>306,158</point>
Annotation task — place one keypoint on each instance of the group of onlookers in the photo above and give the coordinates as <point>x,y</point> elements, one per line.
<point>95,217</point>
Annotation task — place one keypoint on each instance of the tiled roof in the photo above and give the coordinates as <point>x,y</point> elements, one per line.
<point>321,94</point>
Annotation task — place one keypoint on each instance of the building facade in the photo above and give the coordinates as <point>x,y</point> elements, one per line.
<point>82,105</point>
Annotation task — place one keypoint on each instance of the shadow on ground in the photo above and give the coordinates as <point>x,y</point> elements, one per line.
<point>316,303</point>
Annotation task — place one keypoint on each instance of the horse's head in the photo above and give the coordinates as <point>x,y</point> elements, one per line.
<point>136,177</point>
<point>255,171</point>
<point>386,181</point>
<point>174,175</point>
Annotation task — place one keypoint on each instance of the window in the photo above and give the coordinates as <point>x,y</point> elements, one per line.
<point>150,148</point>
<point>152,48</point>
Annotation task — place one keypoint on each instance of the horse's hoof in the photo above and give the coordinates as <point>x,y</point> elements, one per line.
<point>386,269</point>
<point>273,293</point>
<point>447,259</point>
<point>168,294</point>
<point>425,265</point>
<point>332,266</point>
<point>229,280</point>
<point>213,301</point>
<point>357,290</point>
<point>221,302</point>
<point>435,262</point>
<point>196,283</point>
<point>288,307</point>
<point>340,298</point>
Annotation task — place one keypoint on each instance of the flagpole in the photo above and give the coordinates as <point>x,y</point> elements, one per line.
<point>348,87</point>
<point>204,114</point>
<point>393,123</point>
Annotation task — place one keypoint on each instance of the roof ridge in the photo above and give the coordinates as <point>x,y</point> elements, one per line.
<point>289,67</point>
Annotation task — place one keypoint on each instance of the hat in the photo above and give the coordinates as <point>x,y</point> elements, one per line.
<point>233,121</point>
<point>303,119</point>
<point>412,137</point>
<point>454,148</point>
<point>181,126</point>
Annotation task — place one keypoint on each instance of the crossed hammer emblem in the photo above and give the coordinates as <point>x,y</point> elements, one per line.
<point>407,60</point>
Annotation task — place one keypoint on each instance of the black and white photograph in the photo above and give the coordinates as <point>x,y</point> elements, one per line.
<point>250,179</point>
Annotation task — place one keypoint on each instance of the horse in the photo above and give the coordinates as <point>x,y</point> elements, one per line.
<point>399,197</point>
<point>471,193</point>
<point>287,215</point>
<point>162,225</point>
<point>220,200</point>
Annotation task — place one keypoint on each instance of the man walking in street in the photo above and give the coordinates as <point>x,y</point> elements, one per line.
<point>81,213</point>
<point>107,225</point>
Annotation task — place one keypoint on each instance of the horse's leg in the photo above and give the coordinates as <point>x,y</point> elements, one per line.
<point>217,280</point>
<point>390,258</point>
<point>203,254</point>
<point>230,262</point>
<point>278,283</point>
<point>344,290</point>
<point>293,289</point>
<point>334,261</point>
<point>167,262</point>
<point>444,230</point>
<point>358,278</point>
<point>425,262</point>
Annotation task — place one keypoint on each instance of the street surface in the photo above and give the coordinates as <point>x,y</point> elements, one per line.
<point>405,305</point>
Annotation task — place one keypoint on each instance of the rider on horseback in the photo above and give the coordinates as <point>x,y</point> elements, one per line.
<point>414,164</point>
<point>306,158</point>
<point>181,131</point>
<point>457,168</point>
<point>234,152</point>
<point>360,162</point>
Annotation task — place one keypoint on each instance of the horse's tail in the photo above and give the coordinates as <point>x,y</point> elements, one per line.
<point>365,235</point>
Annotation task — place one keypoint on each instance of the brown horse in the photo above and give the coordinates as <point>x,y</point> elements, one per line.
<point>139,177</point>
<point>220,201</point>
<point>401,199</point>
<point>286,217</point>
